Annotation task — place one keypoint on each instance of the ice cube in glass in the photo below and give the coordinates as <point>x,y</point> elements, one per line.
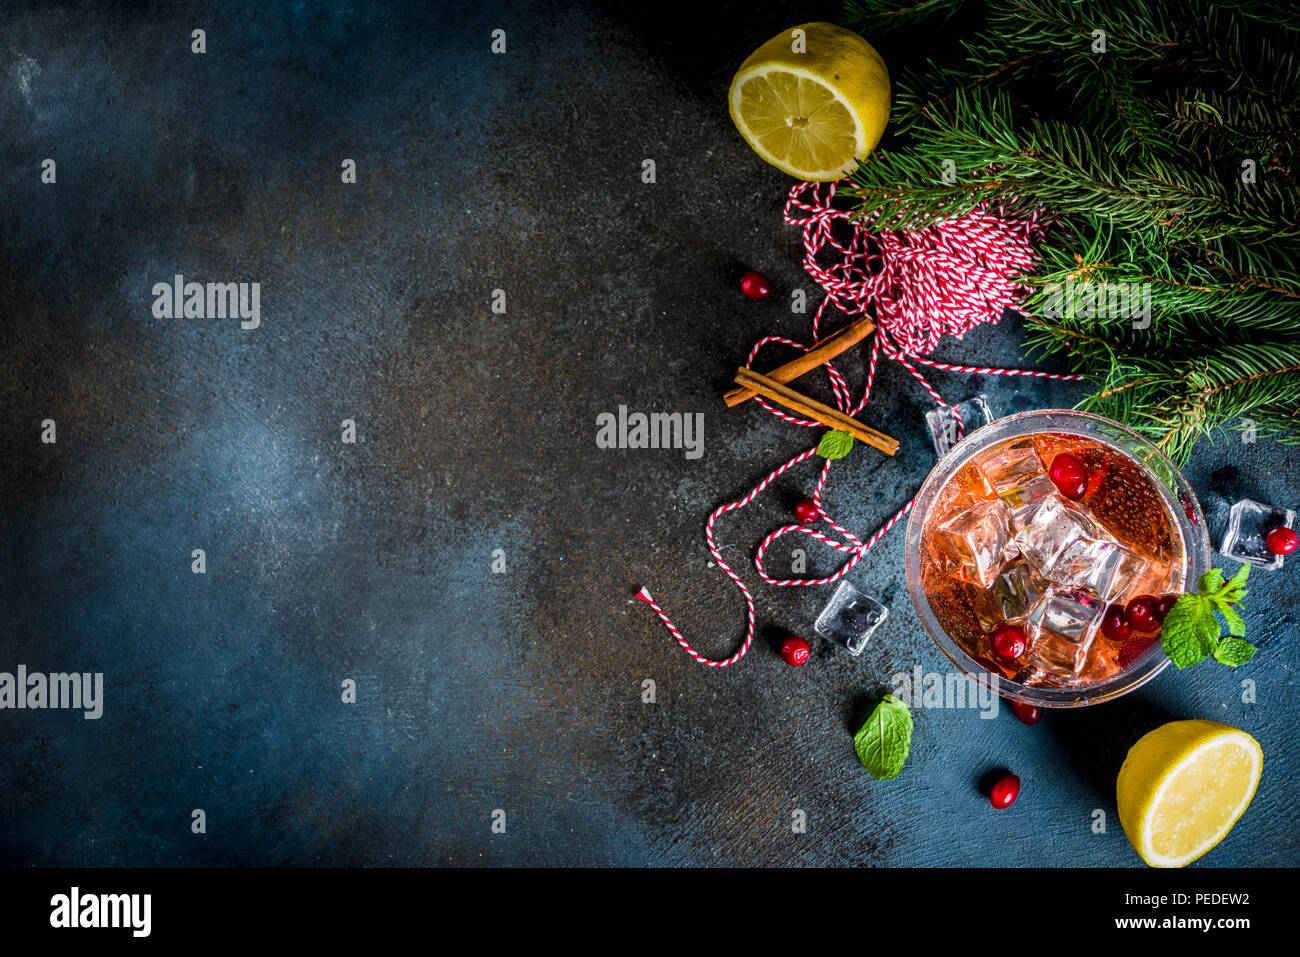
<point>1013,466</point>
<point>1062,625</point>
<point>1056,534</point>
<point>1104,567</point>
<point>1022,500</point>
<point>975,543</point>
<point>1016,590</point>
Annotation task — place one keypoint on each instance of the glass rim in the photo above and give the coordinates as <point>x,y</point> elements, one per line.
<point>1182,504</point>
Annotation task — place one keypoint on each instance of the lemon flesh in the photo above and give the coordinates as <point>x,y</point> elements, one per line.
<point>1183,787</point>
<point>812,114</point>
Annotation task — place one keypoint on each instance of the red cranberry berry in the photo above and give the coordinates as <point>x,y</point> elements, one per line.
<point>1141,613</point>
<point>1114,626</point>
<point>806,511</point>
<point>1131,651</point>
<point>1027,713</point>
<point>1069,476</point>
<point>1281,541</point>
<point>1008,642</point>
<point>1165,604</point>
<point>1005,792</point>
<point>795,651</point>
<point>755,285</point>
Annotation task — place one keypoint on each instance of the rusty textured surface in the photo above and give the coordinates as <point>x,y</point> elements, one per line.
<point>372,561</point>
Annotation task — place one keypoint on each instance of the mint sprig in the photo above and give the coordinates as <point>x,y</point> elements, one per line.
<point>1234,651</point>
<point>884,741</point>
<point>835,445</point>
<point>1192,632</point>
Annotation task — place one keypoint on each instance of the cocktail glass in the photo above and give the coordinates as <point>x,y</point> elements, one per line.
<point>1152,495</point>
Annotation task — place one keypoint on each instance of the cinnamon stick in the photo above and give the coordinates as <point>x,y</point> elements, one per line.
<point>797,402</point>
<point>820,354</point>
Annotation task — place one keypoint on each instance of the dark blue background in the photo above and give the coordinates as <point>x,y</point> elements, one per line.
<point>476,432</point>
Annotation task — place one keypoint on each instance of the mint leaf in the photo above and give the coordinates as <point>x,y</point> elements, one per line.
<point>1211,581</point>
<point>1191,632</point>
<point>885,740</point>
<point>835,445</point>
<point>1234,591</point>
<point>1236,624</point>
<point>1239,579</point>
<point>1234,651</point>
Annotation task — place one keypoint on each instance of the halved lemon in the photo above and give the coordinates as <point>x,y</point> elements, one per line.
<point>812,100</point>
<point>1182,788</point>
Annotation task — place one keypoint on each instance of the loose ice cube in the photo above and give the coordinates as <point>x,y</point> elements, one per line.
<point>949,424</point>
<point>849,618</point>
<point>1249,523</point>
<point>976,542</point>
<point>1062,625</point>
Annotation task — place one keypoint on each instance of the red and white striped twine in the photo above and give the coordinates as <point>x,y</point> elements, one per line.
<point>945,279</point>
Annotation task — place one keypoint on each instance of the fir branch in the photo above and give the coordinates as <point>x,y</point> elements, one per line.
<point>933,88</point>
<point>1204,115</point>
<point>874,16</point>
<point>1273,14</point>
<point>1187,284</point>
<point>1214,376</point>
<point>1134,113</point>
<point>1139,151</point>
<point>1132,31</point>
<point>1223,48</point>
<point>1047,164</point>
<point>1257,266</point>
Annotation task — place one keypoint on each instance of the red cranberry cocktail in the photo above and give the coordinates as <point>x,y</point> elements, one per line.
<point>1045,550</point>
